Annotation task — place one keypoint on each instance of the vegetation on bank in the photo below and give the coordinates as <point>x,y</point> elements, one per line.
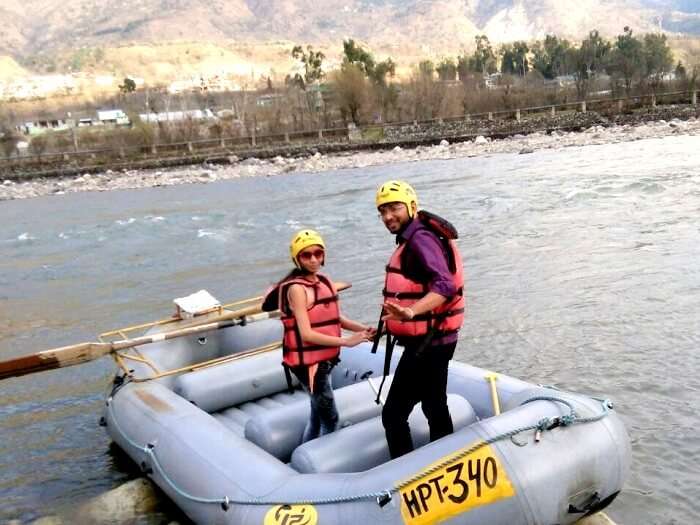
<point>363,90</point>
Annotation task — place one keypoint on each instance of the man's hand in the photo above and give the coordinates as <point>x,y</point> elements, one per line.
<point>396,312</point>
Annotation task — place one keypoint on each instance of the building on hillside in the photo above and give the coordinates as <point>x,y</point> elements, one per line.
<point>39,126</point>
<point>114,117</point>
<point>560,81</point>
<point>268,100</point>
<point>492,81</point>
<point>177,116</point>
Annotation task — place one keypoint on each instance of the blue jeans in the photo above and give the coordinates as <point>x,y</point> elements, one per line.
<point>324,414</point>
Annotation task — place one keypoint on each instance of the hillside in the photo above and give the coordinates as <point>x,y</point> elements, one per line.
<point>40,26</point>
<point>165,39</point>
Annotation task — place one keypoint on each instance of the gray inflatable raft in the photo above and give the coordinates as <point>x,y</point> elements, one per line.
<point>224,443</point>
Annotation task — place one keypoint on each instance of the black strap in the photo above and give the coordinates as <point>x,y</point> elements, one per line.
<point>403,295</point>
<point>425,343</point>
<point>378,334</point>
<point>327,322</point>
<point>300,344</point>
<point>389,350</point>
<point>288,377</point>
<point>326,300</point>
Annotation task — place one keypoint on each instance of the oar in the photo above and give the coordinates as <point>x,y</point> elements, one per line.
<point>66,356</point>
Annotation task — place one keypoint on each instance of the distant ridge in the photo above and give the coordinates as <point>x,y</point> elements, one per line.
<point>42,26</point>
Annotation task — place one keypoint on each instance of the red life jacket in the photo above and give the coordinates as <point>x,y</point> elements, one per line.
<point>447,317</point>
<point>324,316</point>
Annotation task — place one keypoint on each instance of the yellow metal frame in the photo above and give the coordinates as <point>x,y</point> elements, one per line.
<point>121,334</point>
<point>120,358</point>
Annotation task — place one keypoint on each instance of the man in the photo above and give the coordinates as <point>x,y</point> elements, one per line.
<point>423,309</point>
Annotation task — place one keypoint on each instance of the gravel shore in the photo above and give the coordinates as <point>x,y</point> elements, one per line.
<point>251,167</point>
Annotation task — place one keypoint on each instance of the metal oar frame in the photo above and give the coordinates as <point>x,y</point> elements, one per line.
<point>133,354</point>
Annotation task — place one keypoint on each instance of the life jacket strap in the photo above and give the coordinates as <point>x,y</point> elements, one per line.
<point>389,350</point>
<point>288,377</point>
<point>402,295</point>
<point>327,322</point>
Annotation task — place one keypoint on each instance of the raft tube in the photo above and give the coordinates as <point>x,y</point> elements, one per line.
<point>224,443</point>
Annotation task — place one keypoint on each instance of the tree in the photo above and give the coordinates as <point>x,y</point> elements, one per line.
<point>312,61</point>
<point>8,141</point>
<point>426,69</point>
<point>658,60</point>
<point>385,94</point>
<point>350,86</point>
<point>551,57</point>
<point>588,60</point>
<point>447,69</point>
<point>424,93</point>
<point>627,58</point>
<point>127,86</point>
<point>680,71</point>
<point>483,60</point>
<point>354,54</point>
<point>514,59</point>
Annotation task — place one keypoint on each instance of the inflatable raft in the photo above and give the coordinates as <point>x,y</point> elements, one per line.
<point>223,441</point>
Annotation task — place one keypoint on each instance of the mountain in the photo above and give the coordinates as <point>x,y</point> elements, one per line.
<point>31,27</point>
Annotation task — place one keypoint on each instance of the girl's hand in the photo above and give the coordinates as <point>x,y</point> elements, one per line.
<point>355,339</point>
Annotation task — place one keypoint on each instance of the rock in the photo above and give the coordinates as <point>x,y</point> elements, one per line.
<point>525,151</point>
<point>444,143</point>
<point>397,149</point>
<point>480,140</point>
<point>127,502</point>
<point>48,520</point>
<point>597,519</point>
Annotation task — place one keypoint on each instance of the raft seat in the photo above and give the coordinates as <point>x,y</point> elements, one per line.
<point>231,384</point>
<point>363,446</point>
<point>236,417</point>
<point>279,431</point>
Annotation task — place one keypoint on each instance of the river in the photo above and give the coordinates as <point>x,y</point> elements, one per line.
<point>582,269</point>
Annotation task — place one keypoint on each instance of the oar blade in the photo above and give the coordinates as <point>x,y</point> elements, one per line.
<point>52,359</point>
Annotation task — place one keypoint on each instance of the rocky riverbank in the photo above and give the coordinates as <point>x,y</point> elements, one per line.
<point>231,167</point>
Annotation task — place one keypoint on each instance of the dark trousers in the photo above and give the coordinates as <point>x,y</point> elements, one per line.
<point>418,379</point>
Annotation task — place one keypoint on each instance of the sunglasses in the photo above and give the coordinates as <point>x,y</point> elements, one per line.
<point>306,256</point>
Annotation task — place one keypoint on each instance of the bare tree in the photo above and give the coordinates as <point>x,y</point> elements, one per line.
<point>350,85</point>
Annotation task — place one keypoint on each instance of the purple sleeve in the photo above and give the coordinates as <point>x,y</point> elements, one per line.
<point>429,251</point>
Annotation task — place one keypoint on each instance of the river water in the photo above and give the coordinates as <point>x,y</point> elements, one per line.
<point>582,268</point>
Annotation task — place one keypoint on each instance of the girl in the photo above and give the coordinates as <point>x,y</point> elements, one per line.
<point>308,301</point>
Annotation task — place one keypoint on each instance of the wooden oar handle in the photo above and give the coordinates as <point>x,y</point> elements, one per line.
<point>80,353</point>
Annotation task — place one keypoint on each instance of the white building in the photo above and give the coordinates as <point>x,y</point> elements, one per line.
<point>113,116</point>
<point>176,116</point>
